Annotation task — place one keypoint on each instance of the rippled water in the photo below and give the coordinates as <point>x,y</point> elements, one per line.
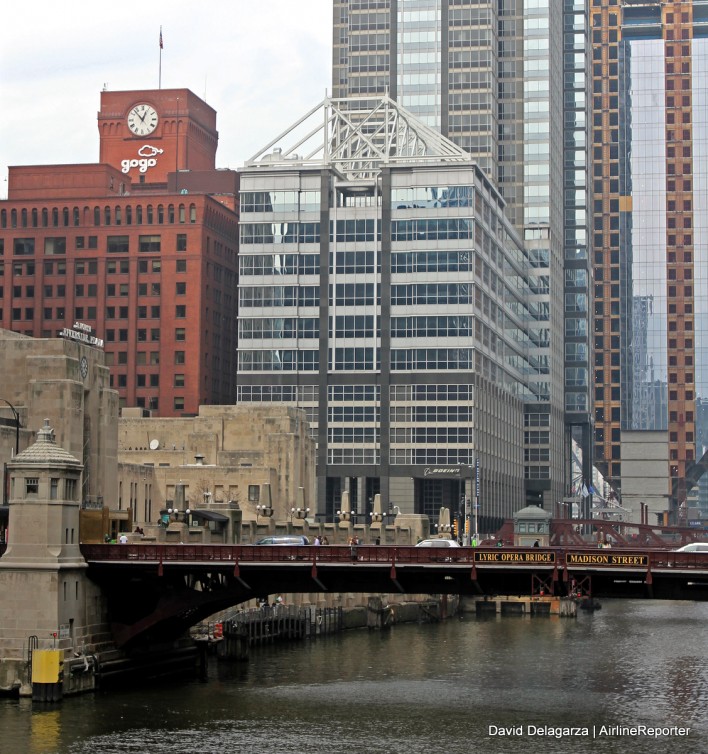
<point>411,690</point>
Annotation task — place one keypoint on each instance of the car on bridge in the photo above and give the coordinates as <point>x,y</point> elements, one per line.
<point>288,540</point>
<point>437,543</point>
<point>694,547</point>
<point>440,544</point>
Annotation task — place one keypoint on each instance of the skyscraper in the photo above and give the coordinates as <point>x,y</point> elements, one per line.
<point>383,290</point>
<point>649,189</point>
<point>506,82</point>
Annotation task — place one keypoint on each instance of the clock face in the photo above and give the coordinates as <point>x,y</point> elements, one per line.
<point>142,119</point>
<point>83,366</point>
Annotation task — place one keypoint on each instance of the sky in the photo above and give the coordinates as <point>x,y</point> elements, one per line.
<point>260,64</point>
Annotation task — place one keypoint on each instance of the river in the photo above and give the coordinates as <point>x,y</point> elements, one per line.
<point>451,687</point>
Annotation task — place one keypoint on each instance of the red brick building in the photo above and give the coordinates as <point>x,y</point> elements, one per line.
<point>142,247</point>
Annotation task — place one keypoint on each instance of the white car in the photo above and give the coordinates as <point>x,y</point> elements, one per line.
<point>694,547</point>
<point>437,543</point>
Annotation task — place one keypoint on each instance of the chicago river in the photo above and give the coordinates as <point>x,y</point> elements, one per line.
<point>631,678</point>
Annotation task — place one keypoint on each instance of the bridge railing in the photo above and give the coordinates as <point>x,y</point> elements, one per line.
<point>480,557</point>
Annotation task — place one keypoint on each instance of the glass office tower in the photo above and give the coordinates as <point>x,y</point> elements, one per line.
<point>649,192</point>
<point>506,82</point>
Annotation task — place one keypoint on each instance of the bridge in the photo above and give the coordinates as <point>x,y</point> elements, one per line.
<point>157,591</point>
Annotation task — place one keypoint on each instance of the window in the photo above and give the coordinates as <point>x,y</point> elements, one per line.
<point>70,489</point>
<point>117,245</point>
<point>179,357</point>
<point>181,242</point>
<point>181,265</point>
<point>180,334</point>
<point>180,311</point>
<point>31,485</point>
<point>181,289</point>
<point>54,246</point>
<point>149,243</point>
<point>179,403</point>
<point>23,247</point>
<point>179,380</point>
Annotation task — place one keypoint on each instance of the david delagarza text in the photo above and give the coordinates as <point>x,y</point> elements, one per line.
<point>597,731</point>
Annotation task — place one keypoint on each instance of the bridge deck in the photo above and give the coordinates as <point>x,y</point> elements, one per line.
<point>570,558</point>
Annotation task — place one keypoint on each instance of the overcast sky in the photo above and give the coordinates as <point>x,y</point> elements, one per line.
<point>260,64</point>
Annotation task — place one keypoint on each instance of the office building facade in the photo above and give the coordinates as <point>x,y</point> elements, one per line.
<point>139,250</point>
<point>383,290</point>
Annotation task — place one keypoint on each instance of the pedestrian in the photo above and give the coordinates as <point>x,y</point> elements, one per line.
<point>318,541</point>
<point>123,539</point>
<point>536,544</point>
<point>325,541</point>
<point>378,540</point>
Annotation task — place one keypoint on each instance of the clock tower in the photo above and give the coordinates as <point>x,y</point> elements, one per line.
<point>147,134</point>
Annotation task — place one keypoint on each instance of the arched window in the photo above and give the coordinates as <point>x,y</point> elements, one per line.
<point>35,217</point>
<point>3,218</point>
<point>96,216</point>
<point>160,214</point>
<point>13,218</point>
<point>107,215</point>
<point>45,217</point>
<point>171,214</point>
<point>24,218</point>
<point>77,217</point>
<point>192,213</point>
<point>182,217</point>
<point>139,215</point>
<point>128,215</point>
<point>65,217</point>
<point>55,217</point>
<point>149,219</point>
<point>118,215</point>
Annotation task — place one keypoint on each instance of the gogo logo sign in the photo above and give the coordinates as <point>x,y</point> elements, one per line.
<point>147,154</point>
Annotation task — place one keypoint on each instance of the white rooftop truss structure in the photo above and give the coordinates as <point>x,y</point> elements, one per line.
<point>357,136</point>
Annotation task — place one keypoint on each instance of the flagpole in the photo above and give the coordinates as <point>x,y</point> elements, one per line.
<point>159,77</point>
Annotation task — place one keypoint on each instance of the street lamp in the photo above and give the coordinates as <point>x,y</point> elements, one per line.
<point>176,513</point>
<point>344,515</point>
<point>263,510</point>
<point>17,424</point>
<point>300,513</point>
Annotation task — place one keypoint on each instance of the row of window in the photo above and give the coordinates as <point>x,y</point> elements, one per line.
<point>356,262</point>
<point>25,247</point>
<point>118,215</point>
<point>354,359</point>
<point>351,231</point>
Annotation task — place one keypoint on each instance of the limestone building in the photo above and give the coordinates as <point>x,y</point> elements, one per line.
<point>68,382</point>
<point>226,459</point>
